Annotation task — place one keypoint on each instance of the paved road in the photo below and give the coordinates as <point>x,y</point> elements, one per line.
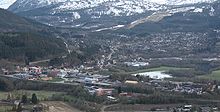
<point>41,61</point>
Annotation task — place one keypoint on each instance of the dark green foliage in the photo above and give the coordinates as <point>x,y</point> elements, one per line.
<point>159,99</point>
<point>74,59</point>
<point>56,62</point>
<point>90,50</point>
<point>6,85</point>
<point>87,52</point>
<point>34,99</point>
<point>137,89</point>
<point>81,93</point>
<point>10,22</point>
<point>78,91</point>
<point>24,99</point>
<point>9,84</point>
<point>119,90</point>
<point>29,46</point>
<point>183,73</point>
<point>25,40</point>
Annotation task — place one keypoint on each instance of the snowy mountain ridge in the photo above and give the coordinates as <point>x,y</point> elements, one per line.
<point>70,13</point>
<point>69,3</point>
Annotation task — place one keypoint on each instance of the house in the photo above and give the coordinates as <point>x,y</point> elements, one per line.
<point>62,73</point>
<point>102,92</point>
<point>35,70</point>
<point>113,99</point>
<point>205,109</point>
<point>47,78</point>
<point>22,76</point>
<point>187,108</point>
<point>126,94</point>
<point>91,80</point>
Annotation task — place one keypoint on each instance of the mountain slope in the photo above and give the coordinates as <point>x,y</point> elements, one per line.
<point>24,5</point>
<point>21,39</point>
<point>11,22</point>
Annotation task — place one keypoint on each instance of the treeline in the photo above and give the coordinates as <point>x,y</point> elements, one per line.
<point>10,84</point>
<point>139,88</point>
<point>29,46</point>
<point>156,99</point>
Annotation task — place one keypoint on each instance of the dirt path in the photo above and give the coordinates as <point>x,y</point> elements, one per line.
<point>57,106</point>
<point>107,106</point>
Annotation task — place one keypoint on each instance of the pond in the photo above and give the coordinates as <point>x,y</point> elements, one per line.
<point>154,74</point>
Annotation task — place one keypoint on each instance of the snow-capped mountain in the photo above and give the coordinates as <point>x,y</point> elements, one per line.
<point>22,5</point>
<point>6,3</point>
<point>78,12</point>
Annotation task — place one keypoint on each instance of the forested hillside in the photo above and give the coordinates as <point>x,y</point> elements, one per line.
<point>22,39</point>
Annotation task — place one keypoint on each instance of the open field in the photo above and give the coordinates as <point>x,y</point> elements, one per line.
<point>5,108</point>
<point>18,94</point>
<point>215,75</point>
<point>57,106</point>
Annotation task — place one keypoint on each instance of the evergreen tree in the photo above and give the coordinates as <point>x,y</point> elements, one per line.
<point>9,97</point>
<point>6,85</point>
<point>24,99</point>
<point>119,90</point>
<point>34,99</point>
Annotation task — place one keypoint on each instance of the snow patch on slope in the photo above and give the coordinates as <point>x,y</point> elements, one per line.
<point>183,2</point>
<point>6,3</point>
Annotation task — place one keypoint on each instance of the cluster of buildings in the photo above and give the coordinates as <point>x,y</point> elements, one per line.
<point>191,108</point>
<point>41,73</point>
<point>91,79</point>
<point>100,85</point>
<point>182,87</point>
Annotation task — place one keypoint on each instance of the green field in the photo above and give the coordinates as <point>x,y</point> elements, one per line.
<point>42,95</point>
<point>4,108</point>
<point>56,80</point>
<point>163,68</point>
<point>215,75</point>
